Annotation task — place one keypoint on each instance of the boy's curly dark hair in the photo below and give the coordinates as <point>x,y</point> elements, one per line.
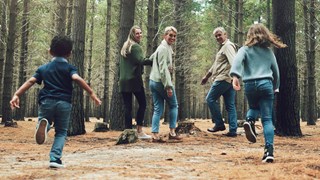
<point>61,46</point>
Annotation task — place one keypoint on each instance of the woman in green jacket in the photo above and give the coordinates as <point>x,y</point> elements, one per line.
<point>131,69</point>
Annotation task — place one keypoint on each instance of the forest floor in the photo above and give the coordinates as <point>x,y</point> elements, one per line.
<point>202,155</point>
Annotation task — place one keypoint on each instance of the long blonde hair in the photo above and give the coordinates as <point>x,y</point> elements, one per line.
<point>259,35</point>
<point>126,48</point>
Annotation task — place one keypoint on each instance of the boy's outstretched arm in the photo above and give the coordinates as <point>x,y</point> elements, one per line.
<point>14,103</point>
<point>86,87</point>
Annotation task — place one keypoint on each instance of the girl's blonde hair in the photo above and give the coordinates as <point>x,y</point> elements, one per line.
<point>126,48</point>
<point>259,35</point>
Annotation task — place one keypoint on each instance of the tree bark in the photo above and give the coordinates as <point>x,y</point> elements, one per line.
<point>69,18</point>
<point>8,69</point>
<point>61,17</point>
<point>3,38</point>
<point>89,65</point>
<point>180,56</point>
<point>312,113</point>
<point>288,121</point>
<point>147,69</point>
<point>304,84</point>
<point>156,24</point>
<point>23,59</point>
<point>107,65</point>
<point>77,126</point>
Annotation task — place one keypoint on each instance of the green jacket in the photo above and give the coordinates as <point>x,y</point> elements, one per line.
<point>131,70</point>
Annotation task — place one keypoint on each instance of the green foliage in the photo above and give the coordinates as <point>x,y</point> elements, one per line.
<point>201,17</point>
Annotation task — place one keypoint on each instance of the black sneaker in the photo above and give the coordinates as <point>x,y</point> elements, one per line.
<point>249,129</point>
<point>41,131</point>
<point>252,123</point>
<point>56,163</point>
<point>216,128</point>
<point>230,134</point>
<point>268,155</point>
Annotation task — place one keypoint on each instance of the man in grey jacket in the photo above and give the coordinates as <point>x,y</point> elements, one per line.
<point>222,85</point>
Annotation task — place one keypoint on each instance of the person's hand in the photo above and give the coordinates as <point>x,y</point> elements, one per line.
<point>14,103</point>
<point>236,84</point>
<point>96,100</point>
<point>169,92</point>
<point>204,80</point>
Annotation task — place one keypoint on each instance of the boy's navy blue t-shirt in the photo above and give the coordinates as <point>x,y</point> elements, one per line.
<point>57,78</point>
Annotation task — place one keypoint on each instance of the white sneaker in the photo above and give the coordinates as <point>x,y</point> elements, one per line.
<point>143,135</point>
<point>41,131</point>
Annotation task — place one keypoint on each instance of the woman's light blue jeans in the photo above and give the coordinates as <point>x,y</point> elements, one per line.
<point>159,95</point>
<point>225,89</point>
<point>260,95</point>
<point>56,111</point>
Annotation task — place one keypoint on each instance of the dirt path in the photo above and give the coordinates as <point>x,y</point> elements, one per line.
<point>201,156</point>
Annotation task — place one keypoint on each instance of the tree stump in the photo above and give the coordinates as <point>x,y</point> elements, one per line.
<point>101,127</point>
<point>187,127</point>
<point>127,136</point>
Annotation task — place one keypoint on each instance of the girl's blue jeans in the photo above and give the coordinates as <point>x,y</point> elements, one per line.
<point>260,95</point>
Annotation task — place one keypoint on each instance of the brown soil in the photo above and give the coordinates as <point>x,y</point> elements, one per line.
<point>200,156</point>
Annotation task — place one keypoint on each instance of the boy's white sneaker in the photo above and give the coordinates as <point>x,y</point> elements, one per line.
<point>41,131</point>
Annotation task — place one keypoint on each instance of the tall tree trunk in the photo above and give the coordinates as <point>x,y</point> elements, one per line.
<point>61,17</point>
<point>89,65</point>
<point>107,65</point>
<point>288,121</point>
<point>126,22</point>
<point>269,14</point>
<point>178,58</point>
<point>3,37</point>
<point>156,24</point>
<point>77,125</point>
<point>241,102</point>
<point>69,17</point>
<point>236,22</point>
<point>230,17</point>
<point>23,58</point>
<point>8,69</point>
<point>150,46</point>
<point>312,113</point>
<point>304,83</point>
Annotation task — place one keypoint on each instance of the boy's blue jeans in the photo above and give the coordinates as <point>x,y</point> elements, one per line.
<point>56,111</point>
<point>225,89</point>
<point>260,97</point>
<point>159,94</point>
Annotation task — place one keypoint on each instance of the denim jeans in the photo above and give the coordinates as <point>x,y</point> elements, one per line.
<point>56,111</point>
<point>159,95</point>
<point>127,99</point>
<point>225,89</point>
<point>260,97</point>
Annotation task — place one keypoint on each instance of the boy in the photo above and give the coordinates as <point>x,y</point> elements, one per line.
<point>55,97</point>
